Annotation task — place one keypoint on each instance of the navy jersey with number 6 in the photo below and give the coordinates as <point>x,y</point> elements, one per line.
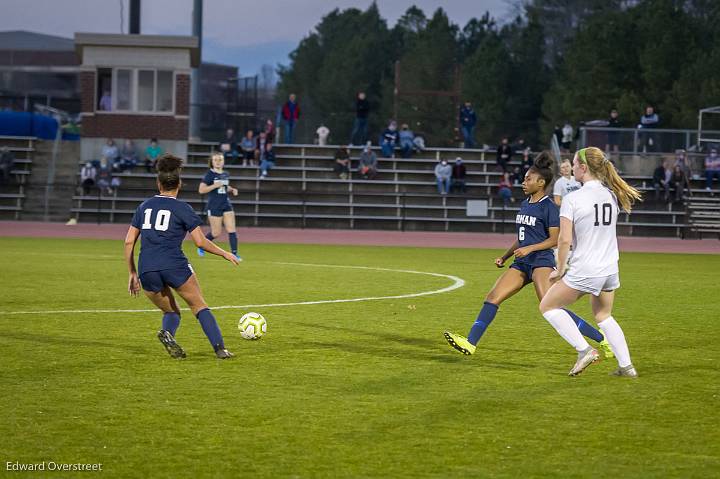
<point>533,223</point>
<point>217,198</point>
<point>163,222</point>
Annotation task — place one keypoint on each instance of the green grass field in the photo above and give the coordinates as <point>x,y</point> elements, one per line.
<point>356,389</point>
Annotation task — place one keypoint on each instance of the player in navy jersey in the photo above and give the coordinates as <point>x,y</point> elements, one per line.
<point>162,223</point>
<point>216,185</point>
<point>537,225</point>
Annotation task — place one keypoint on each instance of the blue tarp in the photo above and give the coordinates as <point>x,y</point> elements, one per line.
<point>20,123</point>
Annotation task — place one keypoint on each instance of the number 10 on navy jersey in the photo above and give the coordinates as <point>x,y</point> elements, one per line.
<point>162,220</point>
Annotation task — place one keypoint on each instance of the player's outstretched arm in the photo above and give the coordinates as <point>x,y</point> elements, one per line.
<point>204,188</point>
<point>500,262</point>
<point>202,242</point>
<point>130,240</point>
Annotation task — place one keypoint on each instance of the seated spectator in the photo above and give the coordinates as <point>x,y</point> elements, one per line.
<point>389,139</point>
<point>527,162</point>
<point>368,164</point>
<point>516,176</point>
<point>443,176</point>
<point>268,161</point>
<point>88,174</point>
<point>110,152</point>
<point>419,143</point>
<point>228,147</point>
<point>662,177</point>
<point>505,190</point>
<point>269,130</point>
<point>260,143</point>
<point>342,162</point>
<point>105,180</point>
<point>458,176</point>
<point>105,101</point>
<point>504,154</point>
<point>406,140</point>
<point>680,182</point>
<point>247,146</point>
<point>712,167</point>
<point>682,161</point>
<point>322,133</point>
<point>7,160</point>
<point>128,156</point>
<point>152,153</point>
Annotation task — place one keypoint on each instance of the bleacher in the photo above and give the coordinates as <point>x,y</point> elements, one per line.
<point>12,192</point>
<point>703,215</point>
<point>303,191</point>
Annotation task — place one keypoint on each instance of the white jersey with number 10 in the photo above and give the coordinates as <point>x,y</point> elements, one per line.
<point>593,209</point>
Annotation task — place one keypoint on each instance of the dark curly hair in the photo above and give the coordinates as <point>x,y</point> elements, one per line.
<point>168,169</point>
<point>543,166</point>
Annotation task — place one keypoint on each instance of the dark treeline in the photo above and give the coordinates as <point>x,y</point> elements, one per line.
<point>560,60</point>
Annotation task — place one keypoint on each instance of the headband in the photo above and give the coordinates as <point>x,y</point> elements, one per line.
<point>581,156</point>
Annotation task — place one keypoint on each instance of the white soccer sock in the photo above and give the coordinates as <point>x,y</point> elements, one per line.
<point>615,336</point>
<point>566,327</point>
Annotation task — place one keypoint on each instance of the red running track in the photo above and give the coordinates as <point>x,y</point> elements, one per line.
<point>34,229</point>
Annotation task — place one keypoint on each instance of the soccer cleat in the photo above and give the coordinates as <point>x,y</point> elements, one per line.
<point>627,372</point>
<point>460,343</point>
<point>585,359</point>
<point>223,353</point>
<point>606,349</point>
<point>171,346</point>
<point>201,252</point>
<point>237,257</point>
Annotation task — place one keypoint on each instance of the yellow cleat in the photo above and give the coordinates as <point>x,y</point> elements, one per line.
<point>606,349</point>
<point>460,343</point>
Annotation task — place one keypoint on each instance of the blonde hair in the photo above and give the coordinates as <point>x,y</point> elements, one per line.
<point>602,169</point>
<point>214,155</point>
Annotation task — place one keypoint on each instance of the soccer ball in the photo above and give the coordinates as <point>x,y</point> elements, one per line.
<point>252,326</point>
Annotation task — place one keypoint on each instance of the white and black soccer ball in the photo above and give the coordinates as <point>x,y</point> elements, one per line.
<point>252,326</point>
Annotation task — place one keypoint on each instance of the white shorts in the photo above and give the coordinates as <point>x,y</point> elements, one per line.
<point>593,285</point>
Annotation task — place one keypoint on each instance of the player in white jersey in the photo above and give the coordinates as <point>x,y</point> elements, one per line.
<point>566,183</point>
<point>588,218</point>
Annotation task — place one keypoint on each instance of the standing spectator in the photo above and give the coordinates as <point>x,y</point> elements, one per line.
<point>262,140</point>
<point>342,162</point>
<point>270,130</point>
<point>322,133</point>
<point>458,176</point>
<point>505,189</point>
<point>128,156</point>
<point>291,114</point>
<point>406,140</point>
<point>359,131</point>
<point>468,120</point>
<point>110,152</point>
<point>649,121</point>
<point>7,160</point>
<point>368,163</point>
<point>228,146</point>
<point>443,176</point>
<point>567,136</point>
<point>613,141</point>
<point>88,175</point>
<point>247,147</point>
<point>105,179</point>
<point>682,161</point>
<point>268,161</point>
<point>504,154</point>
<point>662,177</point>
<point>105,101</point>
<point>152,153</point>
<point>712,168</point>
<point>680,182</point>
<point>389,139</point>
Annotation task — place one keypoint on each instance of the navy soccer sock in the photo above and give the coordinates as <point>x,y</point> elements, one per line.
<point>209,236</point>
<point>210,328</point>
<point>233,242</point>
<point>487,314</point>
<point>586,330</point>
<point>170,322</point>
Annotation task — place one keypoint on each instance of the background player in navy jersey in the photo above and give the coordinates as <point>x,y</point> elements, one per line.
<point>162,223</point>
<point>537,224</point>
<point>216,185</point>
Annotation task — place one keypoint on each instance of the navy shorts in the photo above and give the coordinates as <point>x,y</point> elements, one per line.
<point>155,281</point>
<point>528,268</point>
<point>219,211</point>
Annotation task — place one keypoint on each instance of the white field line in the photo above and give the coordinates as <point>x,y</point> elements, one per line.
<point>457,283</point>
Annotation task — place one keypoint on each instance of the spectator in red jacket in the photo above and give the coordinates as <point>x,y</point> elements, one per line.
<point>290,114</point>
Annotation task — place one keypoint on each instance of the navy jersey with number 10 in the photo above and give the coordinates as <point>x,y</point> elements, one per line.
<point>533,223</point>
<point>163,222</point>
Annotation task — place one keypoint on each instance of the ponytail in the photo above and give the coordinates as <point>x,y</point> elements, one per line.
<point>605,171</point>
